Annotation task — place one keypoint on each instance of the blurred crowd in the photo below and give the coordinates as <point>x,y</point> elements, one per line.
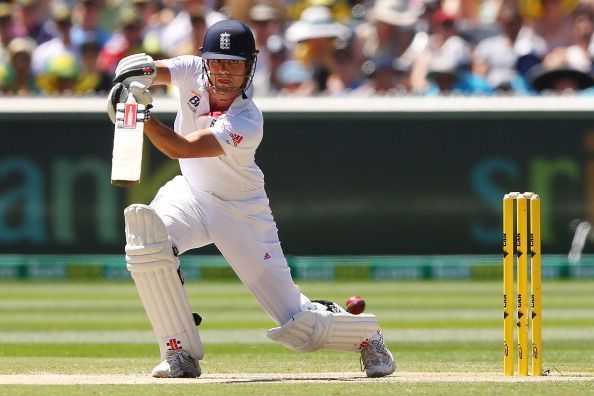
<point>312,47</point>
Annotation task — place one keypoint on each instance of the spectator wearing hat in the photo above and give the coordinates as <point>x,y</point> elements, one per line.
<point>293,78</point>
<point>17,77</point>
<point>60,24</point>
<point>127,39</point>
<point>384,75</point>
<point>266,22</point>
<point>442,77</point>
<point>446,77</point>
<point>315,38</point>
<point>560,80</point>
<point>389,31</point>
<point>568,69</point>
<point>60,76</point>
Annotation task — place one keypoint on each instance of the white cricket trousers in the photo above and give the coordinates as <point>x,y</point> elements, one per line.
<point>246,235</point>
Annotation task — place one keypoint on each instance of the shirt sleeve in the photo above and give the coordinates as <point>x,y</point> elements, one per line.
<point>238,135</point>
<point>183,69</point>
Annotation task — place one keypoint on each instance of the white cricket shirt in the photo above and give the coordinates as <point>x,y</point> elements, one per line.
<point>239,131</point>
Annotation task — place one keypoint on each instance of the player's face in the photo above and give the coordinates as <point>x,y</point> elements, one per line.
<point>227,76</point>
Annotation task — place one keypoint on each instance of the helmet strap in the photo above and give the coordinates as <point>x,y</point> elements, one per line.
<point>247,80</point>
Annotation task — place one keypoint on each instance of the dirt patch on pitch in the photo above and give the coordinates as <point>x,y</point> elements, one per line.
<point>131,379</point>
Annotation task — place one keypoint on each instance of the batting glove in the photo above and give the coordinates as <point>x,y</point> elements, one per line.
<point>138,67</point>
<point>141,94</point>
<point>118,94</point>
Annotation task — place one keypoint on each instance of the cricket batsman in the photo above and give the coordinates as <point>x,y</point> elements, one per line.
<point>220,198</point>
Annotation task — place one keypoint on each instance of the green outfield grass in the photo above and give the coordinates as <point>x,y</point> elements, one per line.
<point>99,328</point>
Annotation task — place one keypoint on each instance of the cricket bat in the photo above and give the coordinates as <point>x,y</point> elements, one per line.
<point>127,143</point>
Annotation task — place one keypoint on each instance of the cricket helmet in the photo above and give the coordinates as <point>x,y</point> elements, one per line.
<point>229,39</point>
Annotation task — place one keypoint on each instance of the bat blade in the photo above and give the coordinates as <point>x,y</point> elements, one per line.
<point>127,144</point>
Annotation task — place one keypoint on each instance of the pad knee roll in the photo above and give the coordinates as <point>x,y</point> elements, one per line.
<point>150,259</point>
<point>309,331</point>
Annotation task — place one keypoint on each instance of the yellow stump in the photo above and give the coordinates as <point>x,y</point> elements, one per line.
<point>536,284</point>
<point>522,252</point>
<point>508,284</point>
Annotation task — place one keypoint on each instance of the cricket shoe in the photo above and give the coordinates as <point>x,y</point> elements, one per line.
<point>177,365</point>
<point>376,359</point>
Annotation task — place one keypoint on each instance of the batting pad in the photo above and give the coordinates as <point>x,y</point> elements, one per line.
<point>153,267</point>
<point>309,331</point>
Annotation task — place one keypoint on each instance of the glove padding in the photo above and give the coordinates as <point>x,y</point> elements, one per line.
<point>141,94</point>
<point>120,93</point>
<point>137,67</point>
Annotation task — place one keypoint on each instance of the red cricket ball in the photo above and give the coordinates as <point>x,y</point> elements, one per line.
<point>355,305</point>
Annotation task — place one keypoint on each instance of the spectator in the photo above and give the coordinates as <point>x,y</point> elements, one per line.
<point>339,9</point>
<point>424,38</point>
<point>294,79</point>
<point>156,18</point>
<point>389,31</point>
<point>29,18</point>
<point>568,69</point>
<point>551,21</point>
<point>61,75</point>
<point>578,53</point>
<point>495,58</point>
<point>7,28</point>
<point>446,50</point>
<point>17,77</point>
<point>151,11</point>
<point>384,76</point>
<point>560,80</point>
<point>126,40</point>
<point>442,76</point>
<point>60,24</point>
<point>547,26</point>
<point>177,34</point>
<point>266,22</point>
<point>476,13</point>
<point>315,38</point>
<point>476,19</point>
<point>91,78</point>
<point>198,28</point>
<point>86,17</point>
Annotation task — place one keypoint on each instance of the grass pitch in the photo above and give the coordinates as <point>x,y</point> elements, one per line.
<point>94,338</point>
